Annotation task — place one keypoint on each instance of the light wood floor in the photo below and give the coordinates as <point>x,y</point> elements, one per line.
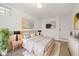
<point>64,51</point>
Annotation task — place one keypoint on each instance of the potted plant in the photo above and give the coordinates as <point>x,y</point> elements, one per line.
<point>78,36</point>
<point>4,38</point>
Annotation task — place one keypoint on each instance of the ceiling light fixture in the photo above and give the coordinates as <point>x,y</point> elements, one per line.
<point>39,5</point>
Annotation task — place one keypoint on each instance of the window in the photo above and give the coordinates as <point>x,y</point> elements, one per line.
<point>5,11</point>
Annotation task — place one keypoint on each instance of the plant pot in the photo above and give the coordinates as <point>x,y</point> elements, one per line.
<point>3,53</point>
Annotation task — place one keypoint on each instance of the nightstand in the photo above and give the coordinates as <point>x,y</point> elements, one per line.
<point>15,43</point>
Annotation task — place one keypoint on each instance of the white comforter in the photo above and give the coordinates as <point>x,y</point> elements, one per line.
<point>29,43</point>
<point>37,44</point>
<point>42,46</point>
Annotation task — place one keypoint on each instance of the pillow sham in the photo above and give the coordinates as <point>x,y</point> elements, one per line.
<point>32,35</point>
<point>37,33</point>
<point>27,35</point>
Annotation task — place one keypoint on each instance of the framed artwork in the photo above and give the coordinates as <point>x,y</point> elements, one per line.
<point>76,22</point>
<point>54,24</point>
<point>27,24</point>
<point>51,25</point>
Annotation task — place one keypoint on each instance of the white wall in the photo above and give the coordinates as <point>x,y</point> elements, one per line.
<point>13,22</point>
<point>50,32</point>
<point>65,26</point>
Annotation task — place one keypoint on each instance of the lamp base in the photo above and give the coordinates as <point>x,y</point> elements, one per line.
<point>16,37</point>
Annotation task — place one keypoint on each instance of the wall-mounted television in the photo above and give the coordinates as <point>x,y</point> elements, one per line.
<point>48,26</point>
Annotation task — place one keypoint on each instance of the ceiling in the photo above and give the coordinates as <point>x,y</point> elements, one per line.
<point>48,10</point>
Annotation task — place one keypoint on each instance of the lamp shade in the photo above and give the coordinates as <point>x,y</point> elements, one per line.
<point>16,32</point>
<point>39,31</point>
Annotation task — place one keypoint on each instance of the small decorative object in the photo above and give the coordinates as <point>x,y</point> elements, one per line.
<point>0,55</point>
<point>78,35</point>
<point>39,32</point>
<point>71,33</point>
<point>16,33</point>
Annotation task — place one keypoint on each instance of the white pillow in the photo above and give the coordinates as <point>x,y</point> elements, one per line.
<point>27,35</point>
<point>14,37</point>
<point>32,35</point>
<point>37,33</point>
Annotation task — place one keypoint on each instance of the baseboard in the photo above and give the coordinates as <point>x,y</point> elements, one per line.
<point>64,40</point>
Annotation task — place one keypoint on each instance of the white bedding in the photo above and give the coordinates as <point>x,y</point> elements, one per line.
<point>42,46</point>
<point>37,44</point>
<point>29,43</point>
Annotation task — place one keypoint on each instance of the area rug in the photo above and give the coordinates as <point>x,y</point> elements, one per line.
<point>26,53</point>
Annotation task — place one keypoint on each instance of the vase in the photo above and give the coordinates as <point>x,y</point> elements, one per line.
<point>3,53</point>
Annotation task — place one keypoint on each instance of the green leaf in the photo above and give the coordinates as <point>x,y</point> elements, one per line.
<point>4,37</point>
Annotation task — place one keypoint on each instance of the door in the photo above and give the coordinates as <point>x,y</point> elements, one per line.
<point>63,29</point>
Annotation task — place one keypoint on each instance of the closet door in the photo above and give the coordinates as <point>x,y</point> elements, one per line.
<point>63,29</point>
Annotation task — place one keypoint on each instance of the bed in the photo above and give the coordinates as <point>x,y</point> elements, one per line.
<point>39,45</point>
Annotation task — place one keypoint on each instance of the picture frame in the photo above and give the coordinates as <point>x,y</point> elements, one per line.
<point>27,24</point>
<point>51,25</point>
<point>76,22</point>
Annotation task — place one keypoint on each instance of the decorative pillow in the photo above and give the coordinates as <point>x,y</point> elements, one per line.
<point>37,33</point>
<point>14,37</point>
<point>32,35</point>
<point>27,35</point>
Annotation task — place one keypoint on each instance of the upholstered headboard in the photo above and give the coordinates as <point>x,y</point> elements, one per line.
<point>29,31</point>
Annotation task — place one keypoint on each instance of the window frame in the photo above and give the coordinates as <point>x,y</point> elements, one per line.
<point>6,10</point>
